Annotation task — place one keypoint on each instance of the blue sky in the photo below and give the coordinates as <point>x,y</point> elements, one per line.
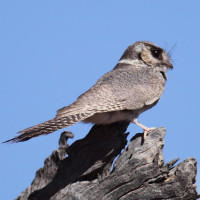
<point>53,51</point>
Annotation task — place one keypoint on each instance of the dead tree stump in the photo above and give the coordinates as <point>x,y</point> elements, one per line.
<point>139,172</point>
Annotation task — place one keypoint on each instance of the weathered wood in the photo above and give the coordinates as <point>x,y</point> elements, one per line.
<point>138,173</point>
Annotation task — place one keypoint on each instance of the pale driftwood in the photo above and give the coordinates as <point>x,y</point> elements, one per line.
<point>139,172</point>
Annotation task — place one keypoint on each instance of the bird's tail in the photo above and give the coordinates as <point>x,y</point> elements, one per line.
<point>47,127</point>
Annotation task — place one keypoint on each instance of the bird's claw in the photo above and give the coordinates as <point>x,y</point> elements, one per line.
<point>146,132</point>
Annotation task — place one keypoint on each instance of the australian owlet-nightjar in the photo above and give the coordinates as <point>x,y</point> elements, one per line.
<point>134,85</point>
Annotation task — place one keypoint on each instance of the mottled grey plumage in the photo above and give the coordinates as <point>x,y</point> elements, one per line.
<point>133,86</point>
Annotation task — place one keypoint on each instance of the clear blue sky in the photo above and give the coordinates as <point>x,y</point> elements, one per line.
<point>53,51</point>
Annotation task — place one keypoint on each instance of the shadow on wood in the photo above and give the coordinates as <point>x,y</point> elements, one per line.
<point>138,173</point>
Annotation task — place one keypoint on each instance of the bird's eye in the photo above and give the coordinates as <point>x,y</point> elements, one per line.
<point>156,53</point>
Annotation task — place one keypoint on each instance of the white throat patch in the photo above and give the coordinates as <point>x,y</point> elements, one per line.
<point>127,61</point>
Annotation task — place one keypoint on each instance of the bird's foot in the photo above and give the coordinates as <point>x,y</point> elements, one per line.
<point>146,131</point>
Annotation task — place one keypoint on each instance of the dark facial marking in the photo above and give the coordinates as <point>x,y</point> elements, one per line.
<point>164,75</point>
<point>139,56</point>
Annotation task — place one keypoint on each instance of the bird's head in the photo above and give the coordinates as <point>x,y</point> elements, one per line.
<point>147,52</point>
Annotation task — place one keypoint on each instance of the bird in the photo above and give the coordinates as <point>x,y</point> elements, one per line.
<point>133,86</point>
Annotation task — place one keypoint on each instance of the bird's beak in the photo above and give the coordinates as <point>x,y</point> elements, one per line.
<point>168,65</point>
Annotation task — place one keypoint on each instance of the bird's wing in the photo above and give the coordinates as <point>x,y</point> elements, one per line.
<point>96,100</point>
<point>115,97</point>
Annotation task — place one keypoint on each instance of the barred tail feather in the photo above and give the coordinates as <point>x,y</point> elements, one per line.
<point>47,127</point>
